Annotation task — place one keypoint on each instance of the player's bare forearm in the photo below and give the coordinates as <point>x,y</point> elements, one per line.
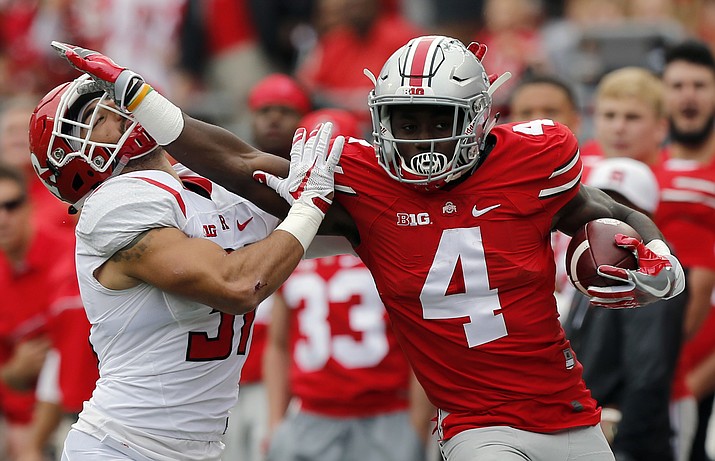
<point>223,157</point>
<point>591,203</point>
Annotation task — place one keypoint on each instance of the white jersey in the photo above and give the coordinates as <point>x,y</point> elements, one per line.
<point>169,367</point>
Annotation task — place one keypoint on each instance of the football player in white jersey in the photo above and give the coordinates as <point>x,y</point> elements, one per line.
<point>171,267</point>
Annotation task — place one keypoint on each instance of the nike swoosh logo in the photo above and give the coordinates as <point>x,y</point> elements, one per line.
<point>476,212</point>
<point>660,293</point>
<point>243,226</point>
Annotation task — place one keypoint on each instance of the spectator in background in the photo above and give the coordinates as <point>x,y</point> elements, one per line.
<point>68,376</point>
<point>35,261</point>
<point>137,31</point>
<point>549,97</point>
<point>344,122</point>
<point>277,104</point>
<point>15,151</point>
<point>221,56</point>
<point>545,96</point>
<point>687,219</point>
<point>25,64</point>
<point>361,36</point>
<point>511,33</point>
<point>630,119</point>
<point>283,28</point>
<point>335,373</point>
<point>629,355</point>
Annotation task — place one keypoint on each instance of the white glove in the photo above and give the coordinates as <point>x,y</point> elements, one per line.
<point>312,164</point>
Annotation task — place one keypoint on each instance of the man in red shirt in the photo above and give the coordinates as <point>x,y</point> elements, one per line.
<point>40,293</point>
<point>452,216</point>
<point>364,37</point>
<point>686,216</point>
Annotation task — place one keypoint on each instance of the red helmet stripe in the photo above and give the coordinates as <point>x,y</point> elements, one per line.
<point>419,61</point>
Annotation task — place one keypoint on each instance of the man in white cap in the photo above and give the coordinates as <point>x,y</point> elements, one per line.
<point>629,355</point>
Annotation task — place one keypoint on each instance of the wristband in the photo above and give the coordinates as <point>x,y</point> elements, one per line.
<point>160,118</point>
<point>658,247</point>
<point>302,223</point>
<point>139,97</point>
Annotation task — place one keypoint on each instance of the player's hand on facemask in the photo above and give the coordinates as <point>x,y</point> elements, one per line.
<point>312,164</point>
<point>124,86</point>
<point>659,276</point>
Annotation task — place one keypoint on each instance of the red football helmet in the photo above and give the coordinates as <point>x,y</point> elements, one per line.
<point>65,158</point>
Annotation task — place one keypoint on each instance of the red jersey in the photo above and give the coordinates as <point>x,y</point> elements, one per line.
<point>345,359</point>
<point>27,296</point>
<point>252,371</point>
<point>686,216</point>
<point>467,276</point>
<point>686,213</point>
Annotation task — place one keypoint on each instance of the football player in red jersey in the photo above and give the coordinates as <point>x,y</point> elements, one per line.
<point>335,373</point>
<point>453,216</point>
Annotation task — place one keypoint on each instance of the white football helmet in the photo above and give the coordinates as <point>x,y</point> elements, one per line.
<point>441,71</point>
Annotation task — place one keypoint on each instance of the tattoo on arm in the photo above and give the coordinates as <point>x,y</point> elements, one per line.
<point>135,249</point>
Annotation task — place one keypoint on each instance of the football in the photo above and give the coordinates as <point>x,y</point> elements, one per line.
<point>593,245</point>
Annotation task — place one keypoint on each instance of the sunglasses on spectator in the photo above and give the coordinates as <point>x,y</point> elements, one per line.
<point>12,205</point>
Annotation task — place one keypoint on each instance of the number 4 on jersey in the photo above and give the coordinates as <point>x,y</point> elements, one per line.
<point>534,127</point>
<point>462,248</point>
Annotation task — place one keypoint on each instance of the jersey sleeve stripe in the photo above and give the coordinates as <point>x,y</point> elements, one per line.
<point>566,177</point>
<point>675,195</point>
<point>566,168</point>
<point>341,188</point>
<point>345,189</point>
<point>550,192</point>
<point>702,185</point>
<point>173,192</point>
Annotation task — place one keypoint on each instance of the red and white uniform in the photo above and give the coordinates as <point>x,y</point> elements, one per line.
<point>345,359</point>
<point>467,276</point>
<point>169,366</point>
<point>686,212</point>
<point>686,216</point>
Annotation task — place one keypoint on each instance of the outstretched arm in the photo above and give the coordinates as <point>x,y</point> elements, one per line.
<point>207,149</point>
<point>223,157</point>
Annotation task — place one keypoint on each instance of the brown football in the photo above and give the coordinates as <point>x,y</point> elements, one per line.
<point>593,245</point>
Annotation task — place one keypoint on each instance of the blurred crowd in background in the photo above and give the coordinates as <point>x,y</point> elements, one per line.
<point>219,59</point>
<point>206,54</point>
